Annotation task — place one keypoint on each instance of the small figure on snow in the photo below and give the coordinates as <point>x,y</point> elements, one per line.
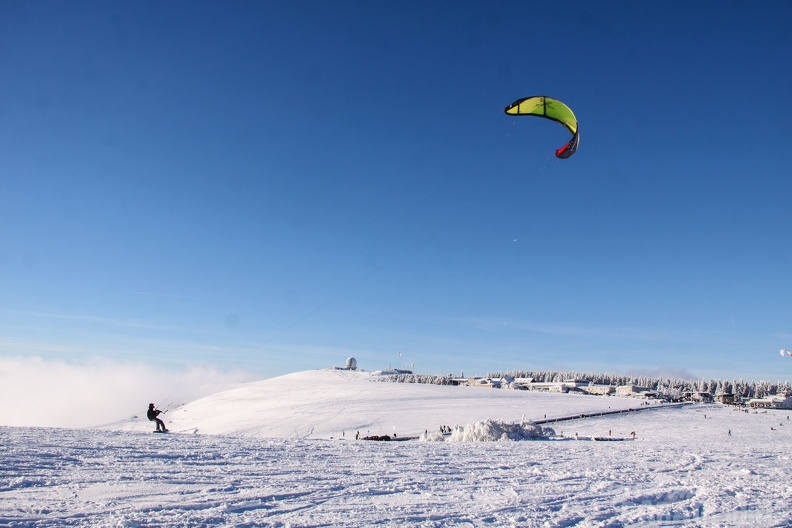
<point>152,416</point>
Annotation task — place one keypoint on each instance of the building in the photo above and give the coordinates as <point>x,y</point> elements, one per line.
<point>485,383</point>
<point>725,397</point>
<point>772,402</point>
<point>631,390</point>
<point>701,397</point>
<point>391,372</point>
<point>522,383</point>
<point>601,390</point>
<point>548,386</point>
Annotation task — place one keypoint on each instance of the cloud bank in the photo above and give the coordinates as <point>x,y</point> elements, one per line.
<point>56,393</point>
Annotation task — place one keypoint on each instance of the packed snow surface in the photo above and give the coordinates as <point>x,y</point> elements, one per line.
<point>695,465</point>
<point>331,403</point>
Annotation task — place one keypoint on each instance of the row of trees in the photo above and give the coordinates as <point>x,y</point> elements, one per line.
<point>669,386</point>
<point>418,378</point>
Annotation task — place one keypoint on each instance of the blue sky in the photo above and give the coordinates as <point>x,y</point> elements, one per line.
<point>274,186</point>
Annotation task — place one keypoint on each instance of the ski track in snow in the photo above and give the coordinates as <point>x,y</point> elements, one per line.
<point>683,469</point>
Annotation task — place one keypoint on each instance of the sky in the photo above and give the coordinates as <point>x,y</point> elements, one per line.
<point>257,188</point>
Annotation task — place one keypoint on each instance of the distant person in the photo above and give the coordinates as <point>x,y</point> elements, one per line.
<point>152,416</point>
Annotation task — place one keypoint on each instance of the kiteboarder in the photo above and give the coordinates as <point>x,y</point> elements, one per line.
<point>152,416</point>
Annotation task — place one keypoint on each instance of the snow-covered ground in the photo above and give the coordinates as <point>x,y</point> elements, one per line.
<point>269,461</point>
<point>332,403</point>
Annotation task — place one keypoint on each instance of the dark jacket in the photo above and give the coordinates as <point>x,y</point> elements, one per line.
<point>153,413</point>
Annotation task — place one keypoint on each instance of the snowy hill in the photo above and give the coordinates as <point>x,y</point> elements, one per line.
<point>335,403</point>
<point>694,465</point>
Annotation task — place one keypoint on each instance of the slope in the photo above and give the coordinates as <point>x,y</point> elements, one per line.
<point>333,403</point>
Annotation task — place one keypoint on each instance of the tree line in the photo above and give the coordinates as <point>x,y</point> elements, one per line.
<point>672,386</point>
<point>667,386</point>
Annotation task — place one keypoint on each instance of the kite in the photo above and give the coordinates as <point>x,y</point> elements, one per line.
<point>553,109</point>
<point>785,352</point>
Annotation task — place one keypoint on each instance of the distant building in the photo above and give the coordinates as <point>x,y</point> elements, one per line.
<point>485,383</point>
<point>702,397</point>
<point>391,372</point>
<point>772,402</point>
<point>351,364</point>
<point>604,390</point>
<point>725,397</point>
<point>630,390</point>
<point>548,386</point>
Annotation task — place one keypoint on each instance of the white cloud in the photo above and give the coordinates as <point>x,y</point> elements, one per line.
<point>57,393</point>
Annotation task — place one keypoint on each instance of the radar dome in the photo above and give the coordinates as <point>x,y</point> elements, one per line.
<point>351,363</point>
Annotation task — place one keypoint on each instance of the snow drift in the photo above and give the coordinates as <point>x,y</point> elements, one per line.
<point>492,431</point>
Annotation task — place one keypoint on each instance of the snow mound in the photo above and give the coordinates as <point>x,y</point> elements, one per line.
<point>492,431</point>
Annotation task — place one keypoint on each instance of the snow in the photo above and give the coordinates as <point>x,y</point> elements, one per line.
<point>332,403</point>
<point>694,465</point>
<point>492,431</point>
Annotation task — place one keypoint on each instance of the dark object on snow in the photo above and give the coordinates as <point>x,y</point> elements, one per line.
<point>152,416</point>
<point>386,438</point>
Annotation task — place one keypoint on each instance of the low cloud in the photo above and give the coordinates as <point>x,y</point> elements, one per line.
<point>56,393</point>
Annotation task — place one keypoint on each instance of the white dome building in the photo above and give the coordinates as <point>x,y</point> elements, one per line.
<point>351,363</point>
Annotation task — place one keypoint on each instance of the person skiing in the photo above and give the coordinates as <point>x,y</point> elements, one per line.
<point>152,416</point>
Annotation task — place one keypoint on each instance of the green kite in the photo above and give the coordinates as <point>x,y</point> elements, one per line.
<point>549,108</point>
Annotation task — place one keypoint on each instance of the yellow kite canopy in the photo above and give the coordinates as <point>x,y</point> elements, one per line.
<point>549,108</point>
